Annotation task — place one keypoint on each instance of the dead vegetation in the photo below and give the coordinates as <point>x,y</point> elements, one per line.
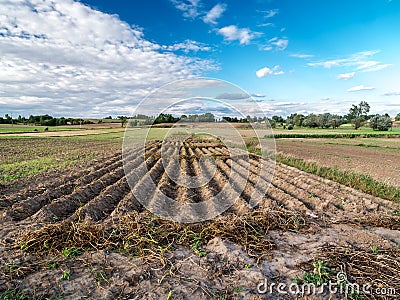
<point>374,270</point>
<point>145,235</point>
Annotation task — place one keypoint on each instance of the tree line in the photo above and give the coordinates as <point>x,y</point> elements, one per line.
<point>358,116</point>
<point>43,120</point>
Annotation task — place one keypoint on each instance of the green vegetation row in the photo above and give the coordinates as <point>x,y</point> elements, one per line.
<point>332,135</point>
<point>362,182</point>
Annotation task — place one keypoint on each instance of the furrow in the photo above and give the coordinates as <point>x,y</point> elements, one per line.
<point>285,197</point>
<point>67,205</point>
<point>104,204</point>
<point>60,183</point>
<point>30,206</point>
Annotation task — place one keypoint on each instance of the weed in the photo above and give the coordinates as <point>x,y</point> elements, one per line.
<point>197,242</point>
<point>318,276</point>
<point>14,295</point>
<point>375,249</point>
<point>52,265</point>
<point>66,275</point>
<point>71,252</point>
<point>170,293</point>
<point>99,275</point>
<point>248,266</point>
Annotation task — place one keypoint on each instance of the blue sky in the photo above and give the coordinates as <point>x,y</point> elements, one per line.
<point>102,57</point>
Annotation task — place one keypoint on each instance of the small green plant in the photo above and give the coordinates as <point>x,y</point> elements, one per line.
<point>375,249</point>
<point>71,252</point>
<point>52,265</point>
<point>66,275</point>
<point>23,246</point>
<point>238,289</point>
<point>248,266</point>
<point>170,293</point>
<point>14,295</point>
<point>318,276</point>
<point>197,242</point>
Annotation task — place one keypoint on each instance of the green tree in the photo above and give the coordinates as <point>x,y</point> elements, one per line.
<point>358,114</point>
<point>311,121</point>
<point>278,119</point>
<point>123,120</point>
<point>397,118</point>
<point>299,119</point>
<point>380,122</point>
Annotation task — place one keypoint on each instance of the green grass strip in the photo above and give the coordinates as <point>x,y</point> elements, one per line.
<point>331,135</point>
<point>362,182</point>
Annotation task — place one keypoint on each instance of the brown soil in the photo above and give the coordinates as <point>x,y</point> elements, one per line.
<point>378,158</point>
<point>309,213</point>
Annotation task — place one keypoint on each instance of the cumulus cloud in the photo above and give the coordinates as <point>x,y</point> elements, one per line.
<point>264,72</point>
<point>214,14</point>
<point>360,88</point>
<point>233,33</point>
<point>63,57</point>
<point>189,8</point>
<point>346,76</point>
<point>360,61</point>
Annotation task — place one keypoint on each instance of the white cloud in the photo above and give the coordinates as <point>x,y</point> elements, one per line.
<point>301,55</point>
<point>264,72</point>
<point>392,94</point>
<point>360,88</point>
<point>277,43</point>
<point>376,68</point>
<point>233,96</point>
<point>63,57</point>
<point>214,14</point>
<point>233,33</point>
<point>187,46</point>
<point>366,64</point>
<point>360,61</point>
<point>271,13</point>
<point>189,8</point>
<point>346,76</point>
<point>266,25</point>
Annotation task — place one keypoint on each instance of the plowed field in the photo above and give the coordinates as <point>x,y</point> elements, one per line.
<point>120,250</point>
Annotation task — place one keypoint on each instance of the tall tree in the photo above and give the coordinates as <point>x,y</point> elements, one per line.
<point>358,114</point>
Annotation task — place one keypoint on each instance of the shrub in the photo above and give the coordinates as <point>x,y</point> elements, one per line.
<point>380,122</point>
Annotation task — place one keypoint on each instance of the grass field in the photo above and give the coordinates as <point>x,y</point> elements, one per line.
<point>70,226</point>
<point>342,131</point>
